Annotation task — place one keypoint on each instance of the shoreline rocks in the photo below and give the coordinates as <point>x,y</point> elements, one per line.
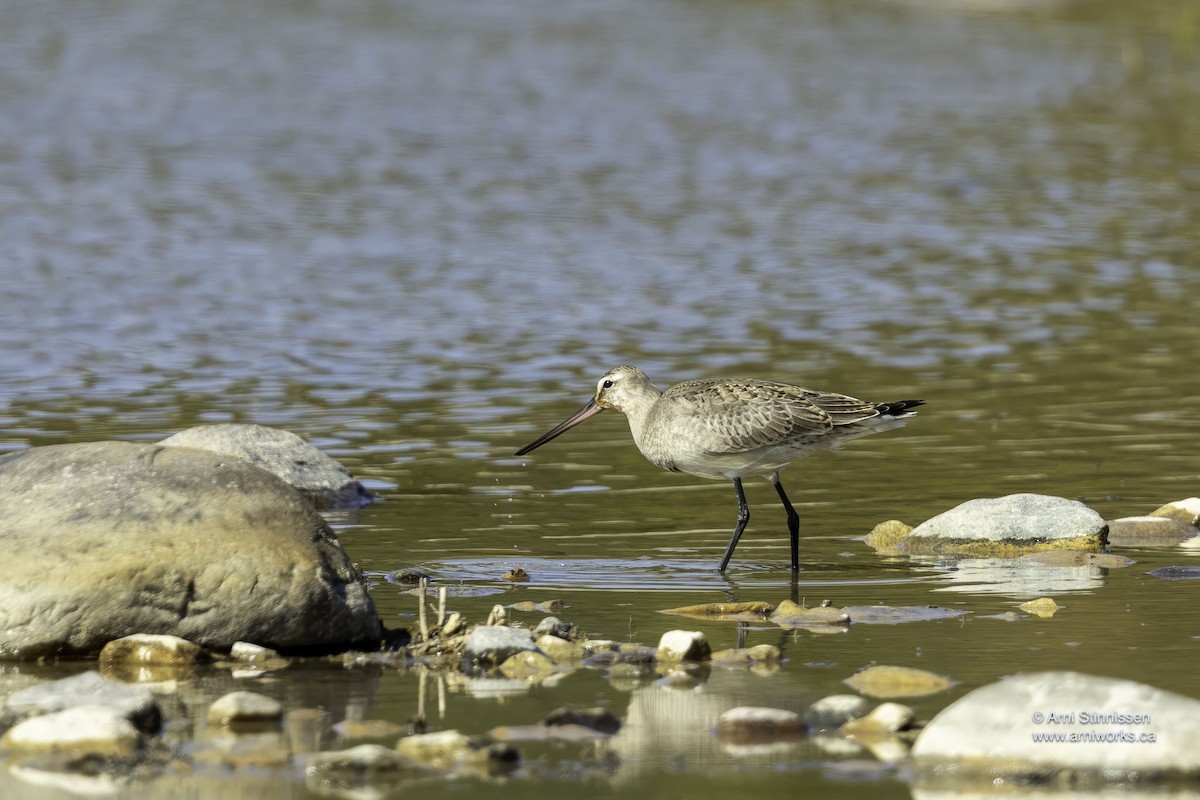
<point>318,477</point>
<point>118,538</point>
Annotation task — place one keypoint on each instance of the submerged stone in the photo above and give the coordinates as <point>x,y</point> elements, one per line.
<point>1041,607</point>
<point>896,615</point>
<point>888,681</point>
<point>1010,526</point>
<point>1174,573</point>
<point>888,536</point>
<point>750,724</point>
<point>832,712</point>
<point>1150,531</point>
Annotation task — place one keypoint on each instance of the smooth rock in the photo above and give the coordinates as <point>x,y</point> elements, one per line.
<point>451,750</point>
<point>751,724</point>
<point>323,480</point>
<point>366,729</point>
<point>683,646</point>
<point>1075,558</point>
<point>1189,572</point>
<point>1041,607</point>
<point>1010,526</point>
<point>371,769</point>
<point>748,656</point>
<point>87,730</point>
<point>789,614</point>
<point>528,665</point>
<point>896,615</point>
<point>888,536</point>
<point>1149,531</point>
<point>245,708</point>
<point>988,734</point>
<point>134,703</point>
<point>116,538</point>
<point>490,645</point>
<point>832,712</point>
<point>887,681</point>
<point>156,649</point>
<point>245,651</point>
<point>553,626</point>
<point>885,718</point>
<point>560,650</point>
<point>1185,511</point>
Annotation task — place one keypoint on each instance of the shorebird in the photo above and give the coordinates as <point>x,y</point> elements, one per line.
<point>732,429</point>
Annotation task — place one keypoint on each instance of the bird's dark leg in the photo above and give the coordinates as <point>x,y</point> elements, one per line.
<point>743,518</point>
<point>793,522</point>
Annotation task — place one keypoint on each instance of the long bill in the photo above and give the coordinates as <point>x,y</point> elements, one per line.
<point>590,409</point>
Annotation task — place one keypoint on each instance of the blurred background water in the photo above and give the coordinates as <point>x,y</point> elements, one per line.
<point>417,232</point>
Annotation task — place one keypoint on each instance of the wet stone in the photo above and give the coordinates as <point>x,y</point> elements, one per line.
<point>1150,531</point>
<point>370,767</point>
<point>752,724</point>
<point>1185,511</point>
<point>885,718</point>
<point>1042,607</point>
<point>1077,558</point>
<point>561,650</point>
<point>793,615</point>
<point>683,646</point>
<point>831,713</point>
<point>86,730</point>
<point>553,626</point>
<point>245,709</point>
<point>748,656</point>
<point>491,645</point>
<point>319,477</point>
<point>1175,573</point>
<point>144,648</point>
<point>749,611</point>
<point>529,665</point>
<point>89,688</point>
<point>888,681</point>
<point>895,615</point>
<point>245,651</point>
<point>1010,526</point>
<point>988,733</point>
<point>366,729</point>
<point>888,536</point>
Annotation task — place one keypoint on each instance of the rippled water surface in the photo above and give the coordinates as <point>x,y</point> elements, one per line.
<point>416,233</point>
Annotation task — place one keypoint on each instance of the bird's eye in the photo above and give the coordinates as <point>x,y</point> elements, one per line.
<point>606,385</point>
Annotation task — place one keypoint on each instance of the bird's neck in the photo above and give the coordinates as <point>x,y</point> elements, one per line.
<point>637,409</point>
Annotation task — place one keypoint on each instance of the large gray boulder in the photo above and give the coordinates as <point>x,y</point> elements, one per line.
<point>322,479</point>
<point>1010,526</point>
<point>107,539</point>
<point>1039,726</point>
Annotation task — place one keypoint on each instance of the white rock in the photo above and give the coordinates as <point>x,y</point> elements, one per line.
<point>243,708</point>
<point>86,730</point>
<point>991,731</point>
<point>683,646</point>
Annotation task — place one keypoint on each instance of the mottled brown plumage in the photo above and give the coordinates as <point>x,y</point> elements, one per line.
<point>734,428</point>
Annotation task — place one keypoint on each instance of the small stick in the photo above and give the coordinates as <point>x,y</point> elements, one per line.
<point>441,607</point>
<point>421,610</point>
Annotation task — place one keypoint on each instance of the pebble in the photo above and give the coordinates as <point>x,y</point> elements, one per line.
<point>889,681</point>
<point>1042,607</point>
<point>491,645</point>
<point>754,724</point>
<point>885,718</point>
<point>832,712</point>
<point>529,665</point>
<point>887,536</point>
<point>245,708</point>
<point>560,650</point>
<point>85,730</point>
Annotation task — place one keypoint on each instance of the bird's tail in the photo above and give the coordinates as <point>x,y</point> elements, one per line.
<point>898,408</point>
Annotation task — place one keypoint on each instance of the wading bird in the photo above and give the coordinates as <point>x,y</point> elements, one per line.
<point>733,428</point>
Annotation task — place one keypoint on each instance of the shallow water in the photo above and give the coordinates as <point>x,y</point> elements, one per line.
<point>416,233</point>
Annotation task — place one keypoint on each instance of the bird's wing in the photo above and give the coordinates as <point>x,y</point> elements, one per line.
<point>736,416</point>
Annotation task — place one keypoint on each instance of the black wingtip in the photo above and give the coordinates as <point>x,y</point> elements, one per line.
<point>898,408</point>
